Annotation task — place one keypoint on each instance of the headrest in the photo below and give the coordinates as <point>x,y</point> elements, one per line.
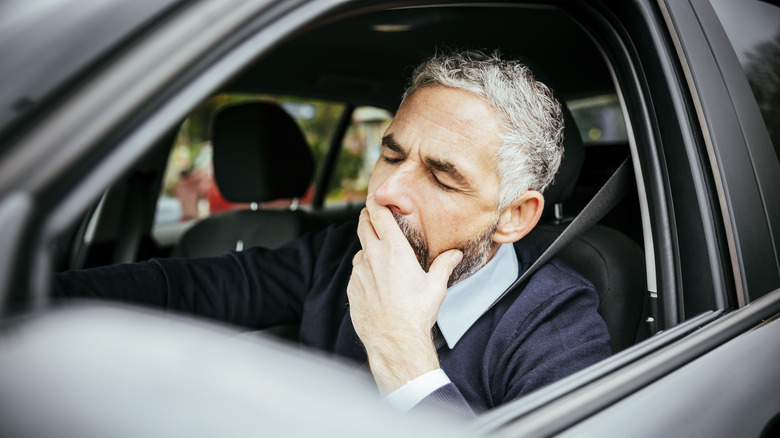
<point>260,154</point>
<point>571,164</point>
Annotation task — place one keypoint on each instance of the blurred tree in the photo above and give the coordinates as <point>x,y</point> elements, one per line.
<point>763,73</point>
<point>319,130</point>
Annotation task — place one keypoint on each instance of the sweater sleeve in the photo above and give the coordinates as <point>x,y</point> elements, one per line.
<point>255,288</point>
<point>446,400</point>
<point>561,336</point>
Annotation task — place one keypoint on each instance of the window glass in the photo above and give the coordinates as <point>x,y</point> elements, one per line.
<point>753,27</point>
<point>189,191</point>
<point>599,119</point>
<point>359,152</point>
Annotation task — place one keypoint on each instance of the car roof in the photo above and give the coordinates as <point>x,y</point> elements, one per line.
<point>376,49</point>
<point>53,41</point>
<point>58,40</point>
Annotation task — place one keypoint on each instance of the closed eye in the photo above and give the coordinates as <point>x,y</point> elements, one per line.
<point>448,169</point>
<point>441,185</point>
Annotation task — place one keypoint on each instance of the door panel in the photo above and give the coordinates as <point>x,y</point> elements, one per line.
<point>732,391</point>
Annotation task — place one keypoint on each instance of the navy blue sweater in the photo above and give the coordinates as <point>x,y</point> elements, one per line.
<point>536,335</point>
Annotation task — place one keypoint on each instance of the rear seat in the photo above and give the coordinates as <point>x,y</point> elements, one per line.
<point>260,155</point>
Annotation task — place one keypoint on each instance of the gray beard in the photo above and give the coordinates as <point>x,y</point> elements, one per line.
<point>475,251</point>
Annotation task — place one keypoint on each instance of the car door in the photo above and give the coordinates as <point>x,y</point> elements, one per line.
<point>714,373</point>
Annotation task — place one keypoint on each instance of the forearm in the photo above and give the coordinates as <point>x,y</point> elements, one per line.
<point>254,289</point>
<point>139,283</point>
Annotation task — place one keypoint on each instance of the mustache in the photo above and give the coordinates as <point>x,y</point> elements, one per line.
<point>475,251</point>
<point>416,240</point>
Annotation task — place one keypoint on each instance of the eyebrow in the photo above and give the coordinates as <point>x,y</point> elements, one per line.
<point>389,142</point>
<point>440,165</point>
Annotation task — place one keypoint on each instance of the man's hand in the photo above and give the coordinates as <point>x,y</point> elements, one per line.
<point>393,302</point>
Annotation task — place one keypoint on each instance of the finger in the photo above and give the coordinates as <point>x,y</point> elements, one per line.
<point>382,220</point>
<point>442,267</point>
<point>357,258</point>
<point>365,230</point>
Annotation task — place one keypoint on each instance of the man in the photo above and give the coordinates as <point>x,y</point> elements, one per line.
<point>459,180</point>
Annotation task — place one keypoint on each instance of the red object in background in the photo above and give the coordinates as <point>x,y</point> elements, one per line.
<point>199,184</point>
<point>218,203</point>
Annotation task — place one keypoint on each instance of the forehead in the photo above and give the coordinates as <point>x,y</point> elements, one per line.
<point>448,123</point>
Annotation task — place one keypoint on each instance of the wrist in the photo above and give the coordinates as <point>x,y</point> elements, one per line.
<point>394,362</point>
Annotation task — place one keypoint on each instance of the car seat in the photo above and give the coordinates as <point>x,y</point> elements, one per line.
<point>260,155</point>
<point>612,261</point>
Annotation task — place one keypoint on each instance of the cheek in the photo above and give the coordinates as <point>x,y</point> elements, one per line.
<point>445,224</point>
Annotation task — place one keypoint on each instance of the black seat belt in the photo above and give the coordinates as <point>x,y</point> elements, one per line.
<point>603,202</point>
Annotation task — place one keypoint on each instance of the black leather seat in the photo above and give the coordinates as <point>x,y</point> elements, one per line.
<point>612,261</point>
<point>260,155</point>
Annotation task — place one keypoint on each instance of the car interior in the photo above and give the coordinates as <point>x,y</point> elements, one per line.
<point>286,145</point>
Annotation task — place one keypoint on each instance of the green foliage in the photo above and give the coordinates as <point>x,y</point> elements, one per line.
<point>348,169</point>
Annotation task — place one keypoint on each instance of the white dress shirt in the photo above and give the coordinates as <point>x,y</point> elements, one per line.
<point>465,302</point>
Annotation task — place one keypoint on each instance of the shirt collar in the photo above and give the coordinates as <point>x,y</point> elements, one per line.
<point>468,299</point>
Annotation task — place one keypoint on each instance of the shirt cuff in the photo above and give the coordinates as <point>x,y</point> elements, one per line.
<point>406,397</point>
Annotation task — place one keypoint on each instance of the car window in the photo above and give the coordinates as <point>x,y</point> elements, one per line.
<point>753,27</point>
<point>599,119</point>
<point>359,151</point>
<point>189,191</point>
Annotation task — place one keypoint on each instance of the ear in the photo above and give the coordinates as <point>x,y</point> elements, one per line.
<point>520,217</point>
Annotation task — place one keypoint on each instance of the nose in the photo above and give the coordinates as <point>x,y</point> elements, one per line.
<point>396,191</point>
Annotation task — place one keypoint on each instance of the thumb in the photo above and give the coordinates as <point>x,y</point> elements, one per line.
<point>442,267</point>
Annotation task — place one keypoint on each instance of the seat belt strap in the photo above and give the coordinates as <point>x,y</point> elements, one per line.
<point>602,203</point>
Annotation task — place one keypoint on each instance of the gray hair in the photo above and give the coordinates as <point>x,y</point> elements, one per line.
<point>528,113</point>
